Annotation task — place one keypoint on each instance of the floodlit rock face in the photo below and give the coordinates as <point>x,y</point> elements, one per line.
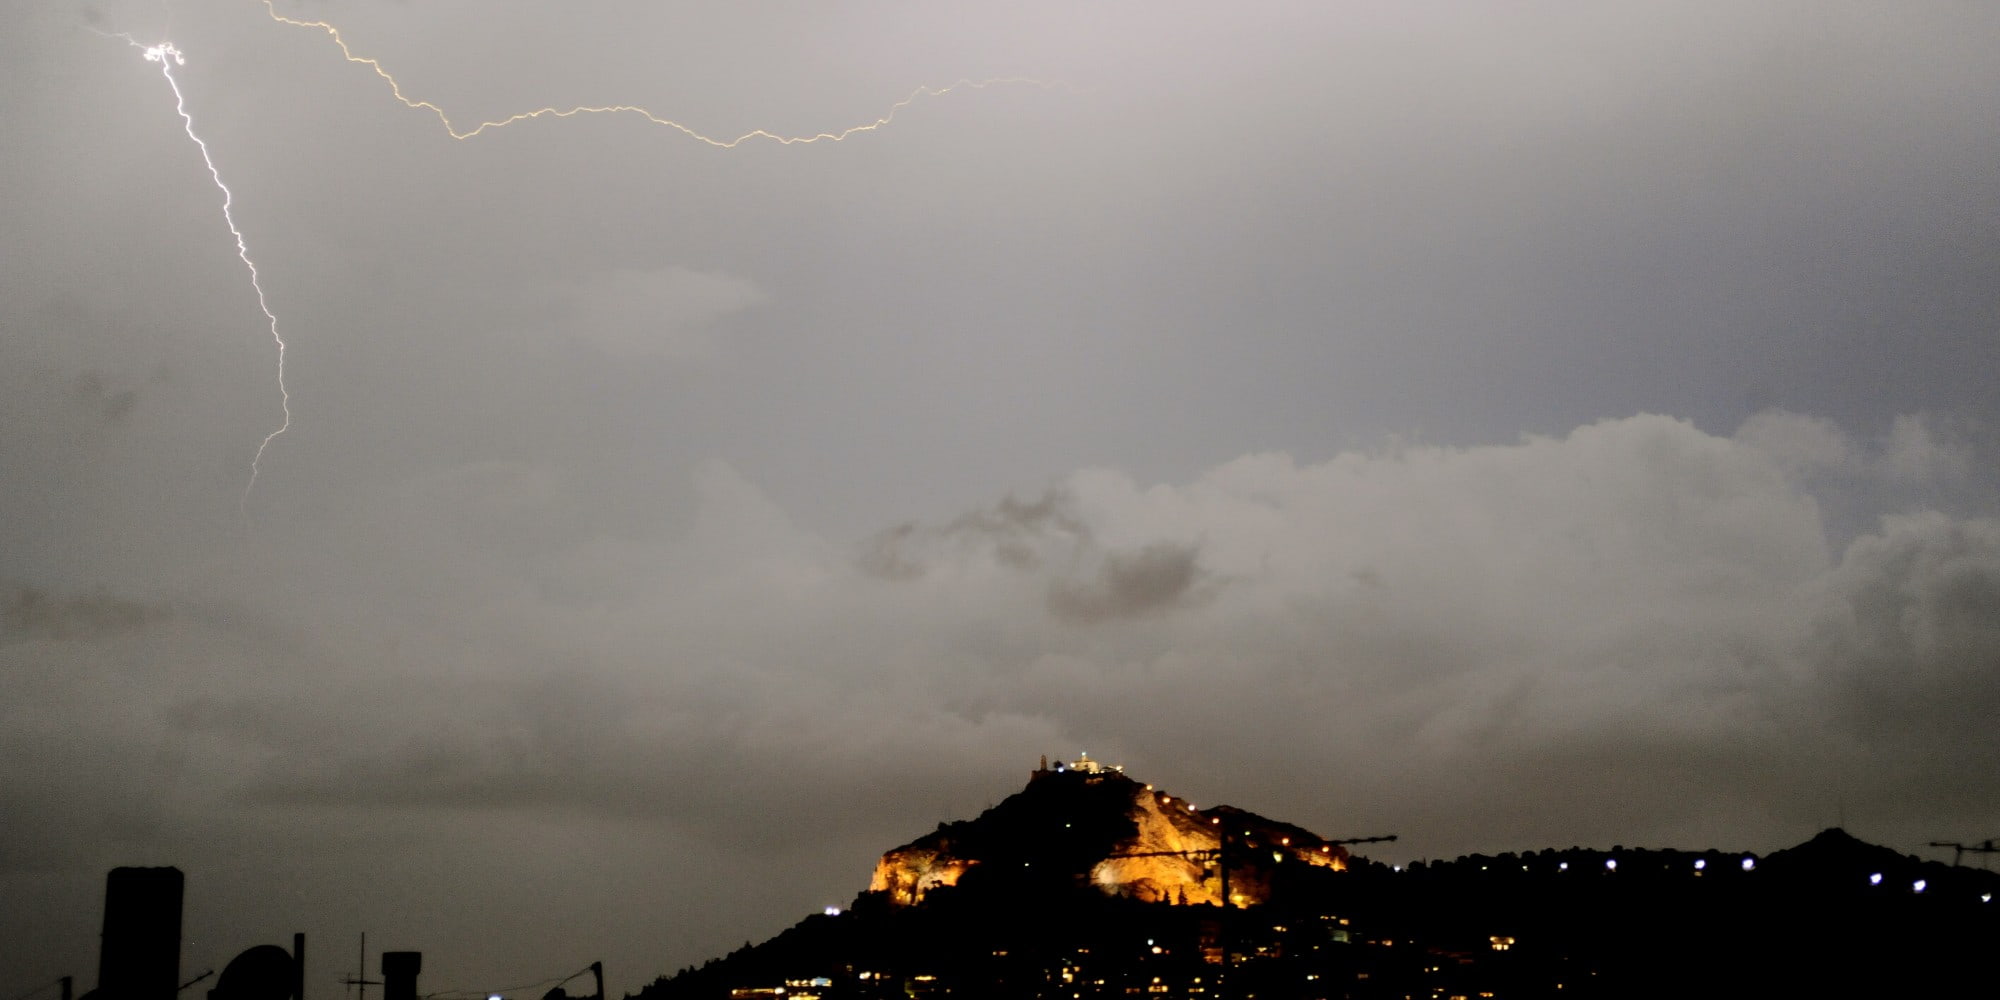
<point>909,873</point>
<point>1170,859</point>
<point>1084,822</point>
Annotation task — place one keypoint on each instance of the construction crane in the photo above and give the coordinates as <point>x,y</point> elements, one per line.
<point>1386,838</point>
<point>1958,850</point>
<point>1200,855</point>
<point>1211,852</point>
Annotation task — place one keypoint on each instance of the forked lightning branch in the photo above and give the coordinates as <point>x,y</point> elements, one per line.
<point>168,56</point>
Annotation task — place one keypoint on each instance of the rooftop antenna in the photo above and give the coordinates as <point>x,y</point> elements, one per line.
<point>360,978</point>
<point>1958,850</point>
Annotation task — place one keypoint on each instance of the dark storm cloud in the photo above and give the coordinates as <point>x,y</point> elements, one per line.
<point>1046,537</point>
<point>1018,534</point>
<point>1911,638</point>
<point>114,405</point>
<point>1515,645</point>
<point>1637,577</point>
<point>1130,585</point>
<point>1637,585</point>
<point>567,593</point>
<point>30,613</point>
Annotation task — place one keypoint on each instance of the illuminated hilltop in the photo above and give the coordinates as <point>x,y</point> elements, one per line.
<point>1086,822</point>
<point>1088,885</point>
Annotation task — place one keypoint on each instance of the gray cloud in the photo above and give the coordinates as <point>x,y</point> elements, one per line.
<point>1242,407</point>
<point>113,405</point>
<point>30,613</point>
<point>1017,534</point>
<point>1130,584</point>
<point>1048,539</point>
<point>1478,647</point>
<point>1911,632</point>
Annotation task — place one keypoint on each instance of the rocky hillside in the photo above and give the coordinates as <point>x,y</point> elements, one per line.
<point>1087,884</point>
<point>1085,823</point>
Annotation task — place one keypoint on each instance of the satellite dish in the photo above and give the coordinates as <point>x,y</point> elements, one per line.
<point>265,972</point>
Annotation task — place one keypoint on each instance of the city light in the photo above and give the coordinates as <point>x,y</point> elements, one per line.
<point>1918,885</point>
<point>1749,864</point>
<point>1875,879</point>
<point>1700,863</point>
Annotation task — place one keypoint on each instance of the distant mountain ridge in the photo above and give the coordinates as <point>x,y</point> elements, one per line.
<point>1087,884</point>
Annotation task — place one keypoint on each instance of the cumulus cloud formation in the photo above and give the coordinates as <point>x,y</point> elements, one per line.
<point>1909,635</point>
<point>1084,582</point>
<point>1634,632</point>
<point>1434,619</point>
<point>1129,584</point>
<point>1635,601</point>
<point>1018,534</point>
<point>1796,442</point>
<point>1915,451</point>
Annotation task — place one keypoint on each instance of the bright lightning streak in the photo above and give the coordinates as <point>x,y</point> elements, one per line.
<point>168,57</point>
<point>550,112</point>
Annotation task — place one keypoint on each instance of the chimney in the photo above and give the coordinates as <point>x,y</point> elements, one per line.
<point>140,955</point>
<point>399,974</point>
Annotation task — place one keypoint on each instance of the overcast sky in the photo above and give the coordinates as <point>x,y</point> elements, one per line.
<point>1571,425</point>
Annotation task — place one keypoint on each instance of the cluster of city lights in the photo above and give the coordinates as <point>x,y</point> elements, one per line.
<point>1748,863</point>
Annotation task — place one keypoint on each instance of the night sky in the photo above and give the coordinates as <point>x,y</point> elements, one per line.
<point>1565,424</point>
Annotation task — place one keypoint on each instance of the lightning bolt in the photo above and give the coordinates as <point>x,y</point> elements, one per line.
<point>169,57</point>
<point>632,109</point>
